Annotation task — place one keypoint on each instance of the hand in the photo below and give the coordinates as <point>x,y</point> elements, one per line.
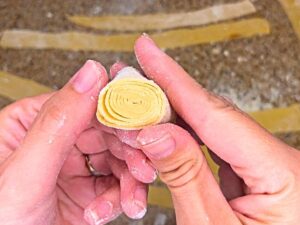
<point>43,177</point>
<point>260,175</point>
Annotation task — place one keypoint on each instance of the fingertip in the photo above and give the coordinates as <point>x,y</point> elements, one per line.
<point>162,142</point>
<point>115,68</point>
<point>133,196</point>
<point>103,73</point>
<point>158,66</point>
<point>105,207</point>
<point>128,137</point>
<point>153,133</point>
<point>115,146</point>
<point>101,213</point>
<point>90,216</point>
<point>91,76</point>
<point>139,166</point>
<point>144,40</point>
<point>139,205</point>
<point>135,210</point>
<point>144,46</point>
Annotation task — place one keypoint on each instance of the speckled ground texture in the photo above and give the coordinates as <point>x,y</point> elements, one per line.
<point>256,73</point>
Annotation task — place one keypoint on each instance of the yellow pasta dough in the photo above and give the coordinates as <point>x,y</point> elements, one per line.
<point>131,102</point>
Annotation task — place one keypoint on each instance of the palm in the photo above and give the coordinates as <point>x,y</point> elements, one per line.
<point>76,188</point>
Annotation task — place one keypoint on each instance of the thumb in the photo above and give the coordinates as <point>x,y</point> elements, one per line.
<point>182,166</point>
<point>62,118</point>
<point>173,151</point>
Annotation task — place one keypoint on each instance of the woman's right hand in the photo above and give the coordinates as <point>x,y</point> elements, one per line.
<point>260,175</point>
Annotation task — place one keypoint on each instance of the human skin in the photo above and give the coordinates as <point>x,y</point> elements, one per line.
<point>43,176</point>
<point>260,175</point>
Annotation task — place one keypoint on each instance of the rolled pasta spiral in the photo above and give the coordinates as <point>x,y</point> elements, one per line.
<point>131,102</point>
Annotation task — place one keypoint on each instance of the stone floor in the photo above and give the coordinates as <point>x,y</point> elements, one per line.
<point>256,73</point>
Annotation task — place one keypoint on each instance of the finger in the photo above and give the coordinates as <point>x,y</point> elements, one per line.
<point>133,196</point>
<point>173,152</point>
<point>105,207</point>
<point>136,161</point>
<point>133,193</point>
<point>180,122</point>
<point>104,183</point>
<point>32,106</point>
<point>100,163</point>
<point>25,110</point>
<point>74,165</point>
<point>232,135</point>
<point>62,118</point>
<point>91,141</point>
<point>16,119</point>
<point>116,165</point>
<point>138,165</point>
<point>115,68</point>
<point>80,190</point>
<point>231,185</point>
<point>99,126</point>
<point>128,137</point>
<point>114,145</point>
<point>183,168</point>
<point>11,134</point>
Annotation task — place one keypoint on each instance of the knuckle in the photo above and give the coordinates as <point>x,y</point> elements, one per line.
<point>17,107</point>
<point>51,116</point>
<point>25,101</point>
<point>220,108</point>
<point>20,107</point>
<point>52,111</point>
<point>221,102</point>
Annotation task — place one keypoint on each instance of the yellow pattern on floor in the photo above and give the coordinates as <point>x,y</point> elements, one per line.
<point>279,120</point>
<point>15,87</point>
<point>292,9</point>
<point>166,21</point>
<point>160,196</point>
<point>75,41</point>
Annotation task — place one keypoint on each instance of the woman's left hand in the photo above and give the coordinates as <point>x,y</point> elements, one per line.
<point>43,174</point>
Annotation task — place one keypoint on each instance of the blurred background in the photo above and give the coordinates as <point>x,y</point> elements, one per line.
<point>246,50</point>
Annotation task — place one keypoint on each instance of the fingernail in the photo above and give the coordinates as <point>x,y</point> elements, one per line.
<point>142,210</point>
<point>100,214</point>
<point>140,196</point>
<point>145,35</point>
<point>87,77</point>
<point>159,148</point>
<point>90,216</point>
<point>104,209</point>
<point>155,174</point>
<point>128,137</point>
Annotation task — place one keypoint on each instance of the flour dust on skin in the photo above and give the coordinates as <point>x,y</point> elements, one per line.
<point>60,124</point>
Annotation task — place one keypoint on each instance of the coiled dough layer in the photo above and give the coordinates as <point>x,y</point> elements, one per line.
<point>131,102</point>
